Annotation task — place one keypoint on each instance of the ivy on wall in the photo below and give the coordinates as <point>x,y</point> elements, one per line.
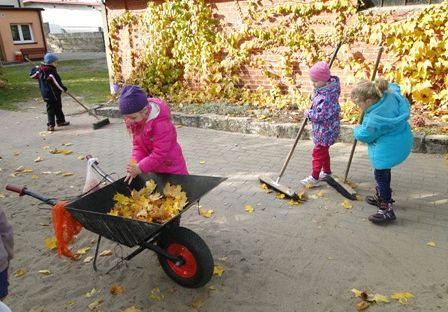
<point>181,52</point>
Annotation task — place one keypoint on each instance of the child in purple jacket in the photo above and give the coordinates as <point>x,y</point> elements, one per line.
<point>324,116</point>
<point>154,137</point>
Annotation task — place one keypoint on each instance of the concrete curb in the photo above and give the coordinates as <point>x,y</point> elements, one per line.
<point>431,144</point>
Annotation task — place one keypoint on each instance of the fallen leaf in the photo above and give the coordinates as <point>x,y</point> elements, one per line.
<point>16,154</point>
<point>347,204</point>
<point>212,287</point>
<point>431,244</point>
<point>38,159</point>
<point>82,251</point>
<point>362,305</point>
<point>155,294</point>
<point>218,270</point>
<point>70,304</point>
<point>198,302</point>
<point>263,117</point>
<point>2,195</point>
<point>39,309</point>
<point>88,259</point>
<point>302,195</point>
<point>132,309</point>
<point>45,272</point>
<point>67,174</point>
<point>402,297</point>
<point>20,272</point>
<point>91,293</point>
<point>67,144</point>
<point>206,213</point>
<point>106,252</point>
<point>51,243</point>
<point>378,298</point>
<point>57,172</point>
<point>46,172</point>
<point>81,157</point>
<point>294,202</point>
<point>95,304</point>
<point>46,147</point>
<point>66,152</point>
<point>264,186</point>
<point>116,290</point>
<point>280,196</point>
<point>249,208</point>
<point>202,162</point>
<point>34,177</point>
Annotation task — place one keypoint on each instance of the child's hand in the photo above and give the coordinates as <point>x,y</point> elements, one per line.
<point>133,170</point>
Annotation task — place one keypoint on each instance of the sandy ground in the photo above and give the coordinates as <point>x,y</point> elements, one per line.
<point>278,258</point>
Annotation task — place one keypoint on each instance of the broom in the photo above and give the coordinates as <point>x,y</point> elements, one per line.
<point>275,184</point>
<point>99,123</point>
<point>343,187</point>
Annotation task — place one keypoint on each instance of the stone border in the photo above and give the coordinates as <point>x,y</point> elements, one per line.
<point>431,144</point>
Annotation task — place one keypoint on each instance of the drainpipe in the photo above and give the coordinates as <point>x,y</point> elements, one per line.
<point>42,29</point>
<point>20,5</point>
<point>107,46</point>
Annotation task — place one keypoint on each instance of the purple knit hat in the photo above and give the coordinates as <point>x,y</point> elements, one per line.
<point>320,71</point>
<point>132,99</point>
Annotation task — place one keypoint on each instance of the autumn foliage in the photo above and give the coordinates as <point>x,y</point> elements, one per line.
<point>181,52</point>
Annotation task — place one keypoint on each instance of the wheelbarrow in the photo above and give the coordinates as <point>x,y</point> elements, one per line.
<point>183,254</point>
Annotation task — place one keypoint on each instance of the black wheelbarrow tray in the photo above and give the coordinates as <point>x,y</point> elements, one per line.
<point>182,253</point>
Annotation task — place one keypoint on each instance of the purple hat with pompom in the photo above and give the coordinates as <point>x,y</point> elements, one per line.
<point>132,99</point>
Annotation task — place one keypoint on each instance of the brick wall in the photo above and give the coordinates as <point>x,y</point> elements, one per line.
<point>228,12</point>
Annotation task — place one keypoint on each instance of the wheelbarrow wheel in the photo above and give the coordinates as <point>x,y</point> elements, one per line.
<point>197,268</point>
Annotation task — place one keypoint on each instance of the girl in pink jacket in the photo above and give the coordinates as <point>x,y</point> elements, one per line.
<point>154,136</point>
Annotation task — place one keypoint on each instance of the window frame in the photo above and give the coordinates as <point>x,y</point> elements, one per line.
<point>19,28</point>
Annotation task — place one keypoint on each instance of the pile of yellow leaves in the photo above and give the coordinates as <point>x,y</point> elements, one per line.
<point>150,206</point>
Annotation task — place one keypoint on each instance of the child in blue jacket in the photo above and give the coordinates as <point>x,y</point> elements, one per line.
<point>51,87</point>
<point>324,116</point>
<point>386,130</point>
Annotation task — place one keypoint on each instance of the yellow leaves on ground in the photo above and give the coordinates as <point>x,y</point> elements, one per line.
<point>202,162</point>
<point>317,195</point>
<point>431,244</point>
<point>57,151</point>
<point>206,213</point>
<point>51,243</point>
<point>218,270</point>
<point>67,174</point>
<point>132,309</point>
<point>149,206</point>
<point>88,259</point>
<point>402,297</point>
<point>116,290</point>
<point>106,252</point>
<point>38,159</point>
<point>83,251</point>
<point>280,196</point>
<point>90,293</point>
<point>367,299</point>
<point>45,272</point>
<point>249,208</point>
<point>155,294</point>
<point>94,305</point>
<point>20,272</point>
<point>264,186</point>
<point>347,204</point>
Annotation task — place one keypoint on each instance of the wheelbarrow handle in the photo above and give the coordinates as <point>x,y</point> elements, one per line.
<point>23,190</point>
<point>17,189</point>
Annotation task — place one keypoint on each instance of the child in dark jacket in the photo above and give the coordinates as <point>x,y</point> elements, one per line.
<point>51,87</point>
<point>386,130</point>
<point>324,116</point>
<point>6,252</point>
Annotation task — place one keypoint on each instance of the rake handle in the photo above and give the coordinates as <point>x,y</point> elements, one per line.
<point>85,107</point>
<point>372,78</point>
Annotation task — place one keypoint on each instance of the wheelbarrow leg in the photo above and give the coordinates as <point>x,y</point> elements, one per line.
<point>95,268</point>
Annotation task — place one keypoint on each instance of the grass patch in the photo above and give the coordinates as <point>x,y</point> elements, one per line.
<point>84,78</point>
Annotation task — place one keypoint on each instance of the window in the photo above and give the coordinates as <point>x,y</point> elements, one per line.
<point>366,4</point>
<point>21,33</point>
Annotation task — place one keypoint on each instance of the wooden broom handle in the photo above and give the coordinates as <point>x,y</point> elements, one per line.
<point>372,78</point>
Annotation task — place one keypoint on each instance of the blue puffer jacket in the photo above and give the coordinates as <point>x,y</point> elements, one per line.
<point>386,130</point>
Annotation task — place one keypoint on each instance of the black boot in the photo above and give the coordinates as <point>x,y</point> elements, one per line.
<point>373,200</point>
<point>385,213</point>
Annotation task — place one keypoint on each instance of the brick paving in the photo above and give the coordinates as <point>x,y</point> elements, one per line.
<point>279,257</point>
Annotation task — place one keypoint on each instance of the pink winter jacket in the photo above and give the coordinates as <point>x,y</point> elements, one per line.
<point>155,148</point>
